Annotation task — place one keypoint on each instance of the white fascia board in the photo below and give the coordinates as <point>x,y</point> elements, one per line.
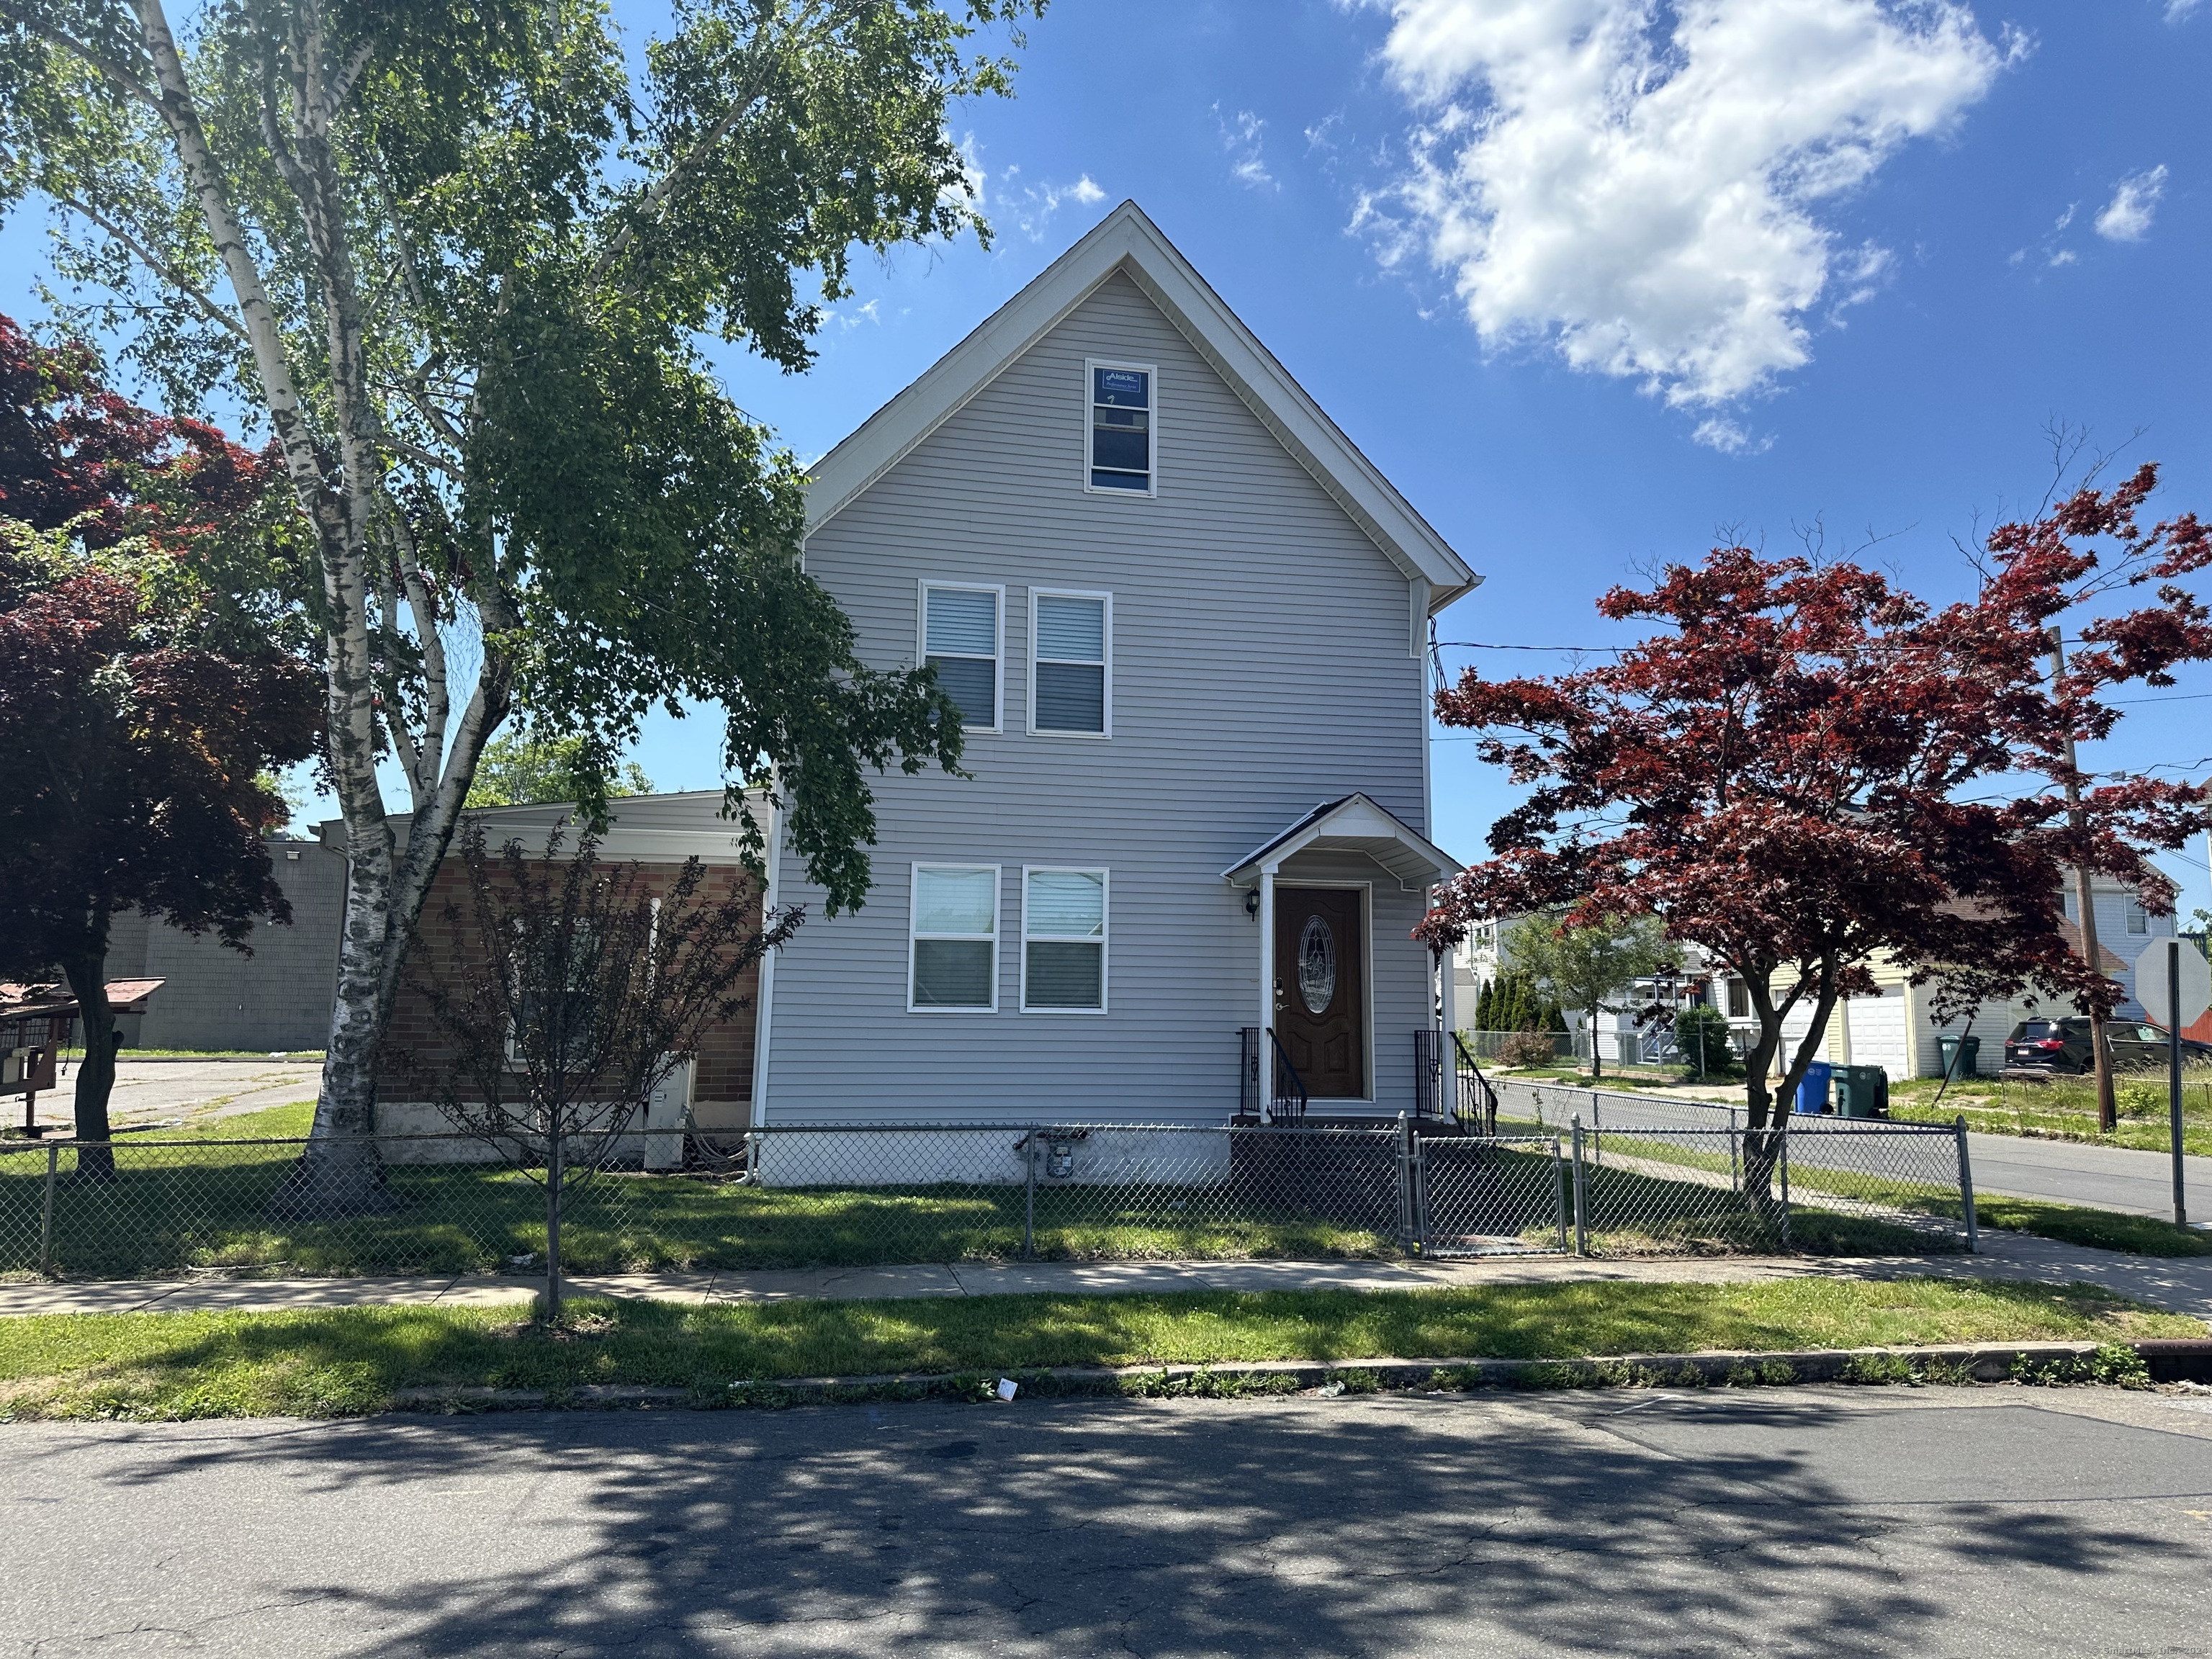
<point>668,829</point>
<point>1126,241</point>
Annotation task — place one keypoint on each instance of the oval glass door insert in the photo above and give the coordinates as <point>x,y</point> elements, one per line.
<point>1316,966</point>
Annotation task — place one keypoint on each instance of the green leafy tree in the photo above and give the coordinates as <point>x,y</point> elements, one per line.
<point>520,769</point>
<point>1701,1034</point>
<point>1591,968</point>
<point>458,255</point>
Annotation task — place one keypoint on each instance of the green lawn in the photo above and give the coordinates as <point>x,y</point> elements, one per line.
<point>345,1361</point>
<point>204,1205</point>
<point>201,1205</point>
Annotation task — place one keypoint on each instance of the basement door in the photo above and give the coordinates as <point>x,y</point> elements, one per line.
<point>1320,987</point>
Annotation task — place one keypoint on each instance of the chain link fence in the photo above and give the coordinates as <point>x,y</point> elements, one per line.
<point>1663,1175</point>
<point>1624,1183</point>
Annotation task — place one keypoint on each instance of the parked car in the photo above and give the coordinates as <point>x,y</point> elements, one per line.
<point>2063,1046</point>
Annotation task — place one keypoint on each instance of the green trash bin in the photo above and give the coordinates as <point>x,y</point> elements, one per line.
<point>1861,1092</point>
<point>1968,1063</point>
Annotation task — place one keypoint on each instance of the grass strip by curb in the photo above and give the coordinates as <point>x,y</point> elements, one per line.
<point>2103,1230</point>
<point>2050,1365</point>
<point>350,1361</point>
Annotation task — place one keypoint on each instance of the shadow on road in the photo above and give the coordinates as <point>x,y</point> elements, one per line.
<point>1352,1526</point>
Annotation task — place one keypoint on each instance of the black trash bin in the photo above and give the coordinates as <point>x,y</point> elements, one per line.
<point>1969,1050</point>
<point>1861,1092</point>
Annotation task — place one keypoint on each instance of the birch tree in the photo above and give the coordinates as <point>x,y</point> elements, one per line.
<point>458,257</point>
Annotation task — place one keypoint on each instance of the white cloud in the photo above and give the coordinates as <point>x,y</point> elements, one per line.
<point>2127,216</point>
<point>1028,208</point>
<point>1636,181</point>
<point>2177,11</point>
<point>1242,136</point>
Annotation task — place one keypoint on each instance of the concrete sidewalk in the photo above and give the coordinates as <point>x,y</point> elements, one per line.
<point>853,1283</point>
<point>2178,1285</point>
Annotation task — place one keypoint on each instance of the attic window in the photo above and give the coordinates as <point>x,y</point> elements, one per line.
<point>1121,412</point>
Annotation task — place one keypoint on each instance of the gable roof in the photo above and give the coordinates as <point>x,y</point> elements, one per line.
<point>1128,243</point>
<point>1352,824</point>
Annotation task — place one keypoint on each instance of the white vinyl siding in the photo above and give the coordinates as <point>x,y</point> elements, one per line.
<point>952,952</point>
<point>1063,941</point>
<point>1120,427</point>
<point>964,633</point>
<point>1070,664</point>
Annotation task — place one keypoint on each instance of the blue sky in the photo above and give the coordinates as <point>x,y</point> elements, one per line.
<point>1596,283</point>
<point>1274,141</point>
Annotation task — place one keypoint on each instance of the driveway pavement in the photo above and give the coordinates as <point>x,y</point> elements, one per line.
<point>1938,1522</point>
<point>150,1091</point>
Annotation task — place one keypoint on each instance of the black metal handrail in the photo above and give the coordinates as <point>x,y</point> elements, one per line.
<point>1486,1112</point>
<point>1297,1082</point>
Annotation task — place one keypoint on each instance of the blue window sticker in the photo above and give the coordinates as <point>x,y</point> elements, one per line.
<point>1124,388</point>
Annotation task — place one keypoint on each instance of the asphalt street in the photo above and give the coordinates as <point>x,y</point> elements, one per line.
<point>2059,1171</point>
<point>1938,1522</point>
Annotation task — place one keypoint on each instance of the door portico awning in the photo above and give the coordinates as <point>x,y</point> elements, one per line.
<point>1352,824</point>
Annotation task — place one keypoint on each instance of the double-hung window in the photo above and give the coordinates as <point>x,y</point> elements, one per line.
<point>2138,919</point>
<point>1071,658</point>
<point>1063,941</point>
<point>952,952</point>
<point>962,633</point>
<point>1122,454</point>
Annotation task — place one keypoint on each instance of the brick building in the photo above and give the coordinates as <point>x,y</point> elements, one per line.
<point>657,833</point>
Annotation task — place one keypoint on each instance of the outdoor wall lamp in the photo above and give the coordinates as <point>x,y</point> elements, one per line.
<point>1252,902</point>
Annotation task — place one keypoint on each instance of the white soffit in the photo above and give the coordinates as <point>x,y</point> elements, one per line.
<point>1126,241</point>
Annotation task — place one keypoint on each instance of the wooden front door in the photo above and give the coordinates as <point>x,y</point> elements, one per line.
<point>1320,987</point>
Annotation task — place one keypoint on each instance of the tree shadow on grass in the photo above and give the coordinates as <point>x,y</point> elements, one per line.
<point>1366,1525</point>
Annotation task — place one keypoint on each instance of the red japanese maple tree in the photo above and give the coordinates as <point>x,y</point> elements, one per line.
<point>138,707</point>
<point>1798,776</point>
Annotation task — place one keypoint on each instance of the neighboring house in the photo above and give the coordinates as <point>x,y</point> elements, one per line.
<point>1187,621</point>
<point>1896,1029</point>
<point>656,832</point>
<point>213,997</point>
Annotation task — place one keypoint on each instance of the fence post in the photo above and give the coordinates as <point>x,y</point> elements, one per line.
<point>47,1216</point>
<point>1967,1186</point>
<point>1736,1143</point>
<point>1029,1193</point>
<point>1785,1183</point>
<point>1581,1232</point>
<point>1404,1185</point>
<point>1559,1195</point>
<point>553,1174</point>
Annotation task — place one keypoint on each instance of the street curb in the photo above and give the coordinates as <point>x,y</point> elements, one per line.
<point>2158,1360</point>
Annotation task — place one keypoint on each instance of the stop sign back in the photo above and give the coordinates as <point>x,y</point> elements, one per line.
<point>2196,978</point>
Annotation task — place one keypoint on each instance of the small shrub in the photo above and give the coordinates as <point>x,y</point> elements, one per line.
<point>1527,1048</point>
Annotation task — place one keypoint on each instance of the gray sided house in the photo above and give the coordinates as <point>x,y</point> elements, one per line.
<point>1187,621</point>
<point>213,997</point>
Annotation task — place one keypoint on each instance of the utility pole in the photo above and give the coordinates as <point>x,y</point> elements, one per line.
<point>2100,1049</point>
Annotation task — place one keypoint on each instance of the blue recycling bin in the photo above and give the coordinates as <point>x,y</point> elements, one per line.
<point>1813,1092</point>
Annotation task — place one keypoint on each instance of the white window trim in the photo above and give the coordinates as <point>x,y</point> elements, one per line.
<point>913,934</point>
<point>1105,935</point>
<point>922,588</point>
<point>1036,593</point>
<point>1152,427</point>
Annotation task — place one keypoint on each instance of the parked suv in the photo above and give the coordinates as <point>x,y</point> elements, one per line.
<point>2063,1045</point>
